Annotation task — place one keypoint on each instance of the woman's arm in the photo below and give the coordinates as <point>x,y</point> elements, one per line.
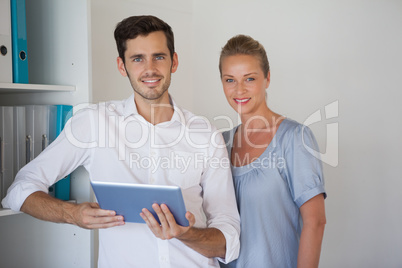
<point>313,215</point>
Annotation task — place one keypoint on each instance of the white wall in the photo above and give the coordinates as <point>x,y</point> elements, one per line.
<point>320,52</point>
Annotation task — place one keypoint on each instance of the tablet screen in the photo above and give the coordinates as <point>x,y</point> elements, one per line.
<point>129,199</point>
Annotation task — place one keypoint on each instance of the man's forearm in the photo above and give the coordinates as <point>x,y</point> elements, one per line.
<point>85,215</point>
<point>44,207</point>
<point>209,242</point>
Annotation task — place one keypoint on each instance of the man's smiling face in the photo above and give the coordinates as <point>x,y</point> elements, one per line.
<point>149,65</point>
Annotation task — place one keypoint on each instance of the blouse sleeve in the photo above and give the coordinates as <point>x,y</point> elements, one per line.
<point>303,170</point>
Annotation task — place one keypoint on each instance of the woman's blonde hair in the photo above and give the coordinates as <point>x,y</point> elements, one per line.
<point>245,45</point>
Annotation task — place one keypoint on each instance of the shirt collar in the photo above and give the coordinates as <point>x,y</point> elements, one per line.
<point>131,109</point>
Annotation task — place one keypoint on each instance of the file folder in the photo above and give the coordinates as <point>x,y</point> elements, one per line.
<point>19,42</point>
<point>6,149</point>
<point>19,137</point>
<point>49,113</point>
<point>6,63</point>
<point>64,112</point>
<point>39,119</point>
<point>40,131</point>
<point>30,133</point>
<point>52,114</point>
<point>30,129</point>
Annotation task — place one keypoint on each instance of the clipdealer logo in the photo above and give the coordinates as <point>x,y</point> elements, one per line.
<point>331,155</point>
<point>118,124</point>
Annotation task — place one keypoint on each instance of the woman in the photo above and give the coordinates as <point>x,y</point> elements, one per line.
<point>278,182</point>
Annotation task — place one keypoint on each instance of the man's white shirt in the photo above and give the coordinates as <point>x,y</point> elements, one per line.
<point>114,143</point>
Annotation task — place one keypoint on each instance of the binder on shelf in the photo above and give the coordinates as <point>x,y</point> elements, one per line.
<point>40,122</point>
<point>19,42</point>
<point>30,133</point>
<point>40,131</point>
<point>6,149</point>
<point>64,113</point>
<point>50,113</point>
<point>25,131</point>
<point>19,137</point>
<point>62,187</point>
<point>6,62</point>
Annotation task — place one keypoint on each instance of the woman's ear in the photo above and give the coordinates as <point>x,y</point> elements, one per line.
<point>268,79</point>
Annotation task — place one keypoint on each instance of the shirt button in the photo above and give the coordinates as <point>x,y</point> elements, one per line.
<point>163,259</point>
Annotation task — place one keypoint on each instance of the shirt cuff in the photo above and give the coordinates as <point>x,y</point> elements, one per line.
<point>18,193</point>
<point>232,237</point>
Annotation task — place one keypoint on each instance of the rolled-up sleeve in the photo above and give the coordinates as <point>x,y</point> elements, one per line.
<point>219,199</point>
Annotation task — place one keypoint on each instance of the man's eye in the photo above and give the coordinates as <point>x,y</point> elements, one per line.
<point>137,59</point>
<point>159,57</point>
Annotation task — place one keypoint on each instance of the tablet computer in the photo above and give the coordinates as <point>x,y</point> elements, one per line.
<point>128,199</point>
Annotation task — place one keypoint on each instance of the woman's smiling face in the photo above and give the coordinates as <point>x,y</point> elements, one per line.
<point>244,83</point>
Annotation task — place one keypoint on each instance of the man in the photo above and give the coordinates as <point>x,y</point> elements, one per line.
<point>112,139</point>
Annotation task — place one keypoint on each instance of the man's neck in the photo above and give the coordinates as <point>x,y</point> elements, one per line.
<point>154,111</point>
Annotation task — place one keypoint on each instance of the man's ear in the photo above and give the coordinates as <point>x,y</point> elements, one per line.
<point>121,67</point>
<point>175,63</point>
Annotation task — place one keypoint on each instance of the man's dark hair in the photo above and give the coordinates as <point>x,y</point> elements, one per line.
<point>135,26</point>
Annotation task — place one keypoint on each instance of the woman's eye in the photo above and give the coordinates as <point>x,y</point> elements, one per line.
<point>250,79</point>
<point>229,80</point>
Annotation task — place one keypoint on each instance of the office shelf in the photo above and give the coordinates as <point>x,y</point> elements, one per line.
<point>33,88</point>
<point>60,73</point>
<point>8,212</point>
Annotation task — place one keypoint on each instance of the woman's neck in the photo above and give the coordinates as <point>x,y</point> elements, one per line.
<point>263,119</point>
